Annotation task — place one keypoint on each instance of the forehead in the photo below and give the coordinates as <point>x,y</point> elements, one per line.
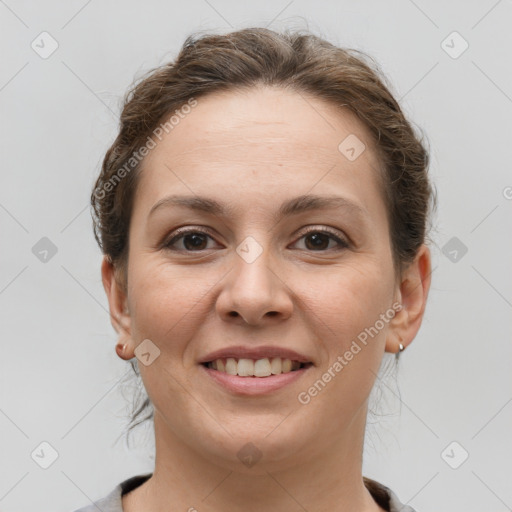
<point>260,137</point>
<point>262,118</point>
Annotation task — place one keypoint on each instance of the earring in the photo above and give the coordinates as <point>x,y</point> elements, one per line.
<point>120,350</point>
<point>401,348</point>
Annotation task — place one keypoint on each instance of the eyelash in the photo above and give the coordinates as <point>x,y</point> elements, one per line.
<point>181,233</point>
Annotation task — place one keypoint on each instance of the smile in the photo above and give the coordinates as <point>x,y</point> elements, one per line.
<point>264,367</point>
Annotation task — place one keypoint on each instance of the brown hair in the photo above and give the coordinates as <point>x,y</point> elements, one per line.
<point>245,58</point>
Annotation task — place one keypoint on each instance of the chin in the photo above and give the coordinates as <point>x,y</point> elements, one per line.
<point>256,446</point>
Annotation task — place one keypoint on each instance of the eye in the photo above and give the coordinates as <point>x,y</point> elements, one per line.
<point>196,239</point>
<point>318,240</point>
<point>193,240</point>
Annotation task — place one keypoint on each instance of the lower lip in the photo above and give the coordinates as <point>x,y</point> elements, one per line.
<point>254,385</point>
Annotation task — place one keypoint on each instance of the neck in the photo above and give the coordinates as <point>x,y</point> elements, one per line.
<point>183,479</point>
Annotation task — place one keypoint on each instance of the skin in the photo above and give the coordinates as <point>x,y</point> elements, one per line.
<point>252,151</point>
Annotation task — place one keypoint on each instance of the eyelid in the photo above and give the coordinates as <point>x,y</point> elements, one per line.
<point>183,231</point>
<point>343,241</point>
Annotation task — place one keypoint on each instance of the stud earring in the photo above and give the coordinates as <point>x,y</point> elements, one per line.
<point>401,348</point>
<point>120,350</point>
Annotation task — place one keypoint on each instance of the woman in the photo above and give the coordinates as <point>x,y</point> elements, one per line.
<point>262,215</point>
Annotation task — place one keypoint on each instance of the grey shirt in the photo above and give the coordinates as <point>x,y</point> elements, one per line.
<point>383,495</point>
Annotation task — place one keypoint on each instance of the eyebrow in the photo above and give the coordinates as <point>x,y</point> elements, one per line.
<point>290,207</point>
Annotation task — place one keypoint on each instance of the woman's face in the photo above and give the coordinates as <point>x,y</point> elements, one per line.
<point>262,276</point>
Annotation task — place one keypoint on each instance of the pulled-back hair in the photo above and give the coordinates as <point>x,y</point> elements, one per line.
<point>246,58</point>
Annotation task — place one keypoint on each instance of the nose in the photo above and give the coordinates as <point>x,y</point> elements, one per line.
<point>254,292</point>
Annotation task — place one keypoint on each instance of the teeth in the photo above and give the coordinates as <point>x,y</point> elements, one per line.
<point>275,365</point>
<point>262,368</point>
<point>257,368</point>
<point>246,367</point>
<point>231,366</point>
<point>286,366</point>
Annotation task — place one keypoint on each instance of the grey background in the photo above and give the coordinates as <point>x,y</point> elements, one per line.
<point>59,374</point>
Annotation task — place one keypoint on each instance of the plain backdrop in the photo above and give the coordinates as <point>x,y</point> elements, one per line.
<point>442,441</point>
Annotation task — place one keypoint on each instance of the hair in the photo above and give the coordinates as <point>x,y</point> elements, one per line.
<point>297,61</point>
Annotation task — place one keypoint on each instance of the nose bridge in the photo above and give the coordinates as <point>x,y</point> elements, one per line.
<point>252,264</point>
<point>253,289</point>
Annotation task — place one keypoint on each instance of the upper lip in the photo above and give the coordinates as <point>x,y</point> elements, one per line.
<point>241,352</point>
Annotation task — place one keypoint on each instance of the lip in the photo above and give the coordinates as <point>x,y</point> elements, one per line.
<point>253,385</point>
<point>241,352</point>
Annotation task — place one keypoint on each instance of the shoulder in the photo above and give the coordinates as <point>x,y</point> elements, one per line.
<point>382,494</point>
<point>110,503</point>
<point>113,501</point>
<point>385,497</point>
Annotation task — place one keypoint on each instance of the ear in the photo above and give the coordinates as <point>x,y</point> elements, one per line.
<point>118,305</point>
<point>412,293</point>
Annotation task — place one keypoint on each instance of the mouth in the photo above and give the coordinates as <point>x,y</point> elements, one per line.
<point>256,368</point>
<point>254,377</point>
<point>255,371</point>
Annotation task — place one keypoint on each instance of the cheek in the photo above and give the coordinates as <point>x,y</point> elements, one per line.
<point>348,300</point>
<point>167,306</point>
<point>353,303</point>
